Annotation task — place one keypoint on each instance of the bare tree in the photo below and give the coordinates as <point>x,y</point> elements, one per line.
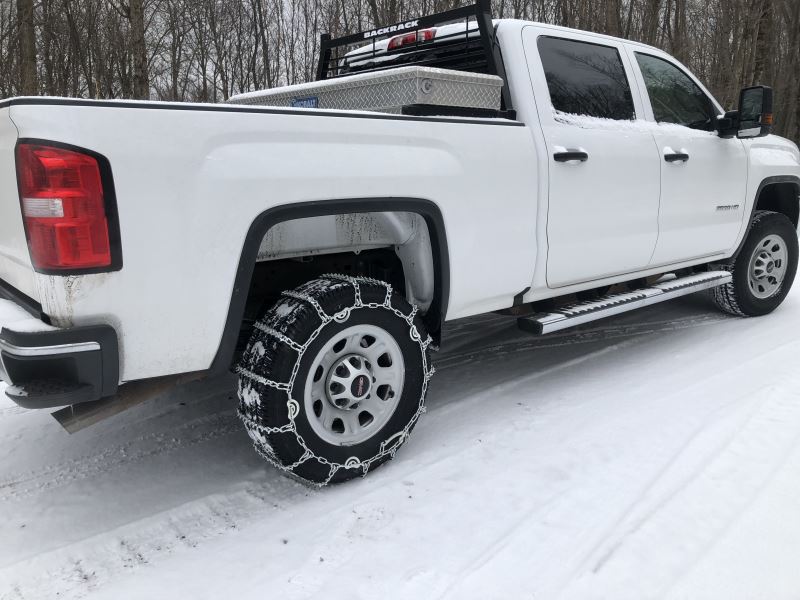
<point>207,50</point>
<point>133,11</point>
<point>27,48</point>
<point>141,87</point>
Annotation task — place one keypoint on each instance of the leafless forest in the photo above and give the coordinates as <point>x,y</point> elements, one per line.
<point>207,50</point>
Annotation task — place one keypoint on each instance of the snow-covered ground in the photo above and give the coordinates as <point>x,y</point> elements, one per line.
<point>655,455</point>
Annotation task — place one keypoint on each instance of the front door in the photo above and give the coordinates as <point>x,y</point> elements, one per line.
<point>703,176</point>
<point>603,167</point>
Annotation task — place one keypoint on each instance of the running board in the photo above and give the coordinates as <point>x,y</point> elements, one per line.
<point>583,312</point>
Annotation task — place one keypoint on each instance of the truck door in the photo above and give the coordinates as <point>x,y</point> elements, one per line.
<point>703,176</point>
<point>603,167</point>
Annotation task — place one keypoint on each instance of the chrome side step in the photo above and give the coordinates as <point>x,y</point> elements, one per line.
<point>583,312</point>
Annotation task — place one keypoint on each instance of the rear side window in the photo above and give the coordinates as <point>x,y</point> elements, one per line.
<point>674,96</point>
<point>586,79</point>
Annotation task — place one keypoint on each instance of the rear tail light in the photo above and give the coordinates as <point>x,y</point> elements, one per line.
<point>64,208</point>
<point>423,35</point>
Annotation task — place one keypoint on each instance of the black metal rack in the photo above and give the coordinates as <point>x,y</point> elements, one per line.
<point>462,50</point>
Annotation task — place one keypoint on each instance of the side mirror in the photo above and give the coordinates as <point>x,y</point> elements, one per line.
<point>755,112</point>
<point>728,125</point>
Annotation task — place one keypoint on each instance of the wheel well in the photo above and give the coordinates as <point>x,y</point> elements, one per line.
<point>252,285</point>
<point>271,278</point>
<point>782,197</point>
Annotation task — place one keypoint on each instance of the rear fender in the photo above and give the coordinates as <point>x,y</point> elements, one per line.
<point>423,252</point>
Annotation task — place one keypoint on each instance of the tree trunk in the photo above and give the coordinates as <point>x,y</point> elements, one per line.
<point>651,21</point>
<point>376,16</point>
<point>141,84</point>
<point>612,17</point>
<point>763,41</point>
<point>679,38</point>
<point>27,48</point>
<point>262,36</point>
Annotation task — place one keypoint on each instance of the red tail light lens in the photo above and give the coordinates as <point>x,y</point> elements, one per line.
<point>63,206</point>
<point>423,35</point>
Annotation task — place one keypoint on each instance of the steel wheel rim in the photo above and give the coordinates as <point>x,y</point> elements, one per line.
<point>354,385</point>
<point>767,268</point>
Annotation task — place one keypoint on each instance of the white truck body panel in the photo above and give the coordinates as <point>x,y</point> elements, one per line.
<point>703,197</point>
<point>684,238</point>
<point>613,228</point>
<point>191,179</point>
<point>212,172</point>
<point>15,261</point>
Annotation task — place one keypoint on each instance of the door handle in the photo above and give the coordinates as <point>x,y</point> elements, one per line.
<point>671,156</point>
<point>569,155</point>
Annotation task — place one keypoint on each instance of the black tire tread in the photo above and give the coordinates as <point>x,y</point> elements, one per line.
<point>269,357</point>
<point>726,296</point>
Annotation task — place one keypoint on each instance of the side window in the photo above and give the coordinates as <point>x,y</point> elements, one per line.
<point>674,96</point>
<point>586,79</point>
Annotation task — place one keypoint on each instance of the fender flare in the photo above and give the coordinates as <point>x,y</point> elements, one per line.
<point>266,220</point>
<point>764,183</point>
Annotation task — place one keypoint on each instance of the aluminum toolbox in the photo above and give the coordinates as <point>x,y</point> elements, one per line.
<point>386,91</point>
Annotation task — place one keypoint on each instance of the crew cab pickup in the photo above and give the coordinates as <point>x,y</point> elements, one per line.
<point>318,252</point>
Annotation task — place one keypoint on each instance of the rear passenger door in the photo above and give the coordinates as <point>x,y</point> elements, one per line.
<point>603,166</point>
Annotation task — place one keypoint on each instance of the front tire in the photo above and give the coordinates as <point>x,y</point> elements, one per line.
<point>334,378</point>
<point>764,269</point>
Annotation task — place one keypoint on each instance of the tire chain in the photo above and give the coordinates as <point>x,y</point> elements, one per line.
<point>259,432</point>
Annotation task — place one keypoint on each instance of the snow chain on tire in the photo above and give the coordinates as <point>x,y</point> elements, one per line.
<point>251,401</point>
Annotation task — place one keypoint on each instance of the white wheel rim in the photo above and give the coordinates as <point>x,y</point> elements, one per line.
<point>767,268</point>
<point>354,385</point>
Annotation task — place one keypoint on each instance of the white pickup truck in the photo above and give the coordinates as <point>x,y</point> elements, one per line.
<point>318,252</point>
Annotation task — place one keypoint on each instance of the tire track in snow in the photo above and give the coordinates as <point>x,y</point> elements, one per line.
<point>365,519</point>
<point>718,447</point>
<point>54,475</point>
<point>746,455</point>
<point>75,570</point>
<point>749,462</point>
<point>566,501</point>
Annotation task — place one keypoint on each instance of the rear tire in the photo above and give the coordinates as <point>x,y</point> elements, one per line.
<point>764,269</point>
<point>334,378</point>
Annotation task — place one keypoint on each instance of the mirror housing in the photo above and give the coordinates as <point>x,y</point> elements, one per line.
<point>755,112</point>
<point>728,125</point>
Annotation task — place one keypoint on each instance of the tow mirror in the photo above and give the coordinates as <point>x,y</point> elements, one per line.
<point>728,125</point>
<point>755,112</point>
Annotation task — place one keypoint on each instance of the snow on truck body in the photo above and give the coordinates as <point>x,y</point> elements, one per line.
<point>222,210</point>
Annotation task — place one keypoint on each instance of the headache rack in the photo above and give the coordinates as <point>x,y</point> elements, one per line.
<point>472,49</point>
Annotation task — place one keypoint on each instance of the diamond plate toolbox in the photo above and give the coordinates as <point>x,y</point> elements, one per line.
<point>386,91</point>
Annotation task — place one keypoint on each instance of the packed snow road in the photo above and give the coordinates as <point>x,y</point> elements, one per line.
<point>655,455</point>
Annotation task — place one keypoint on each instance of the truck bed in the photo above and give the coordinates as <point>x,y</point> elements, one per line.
<point>191,179</point>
